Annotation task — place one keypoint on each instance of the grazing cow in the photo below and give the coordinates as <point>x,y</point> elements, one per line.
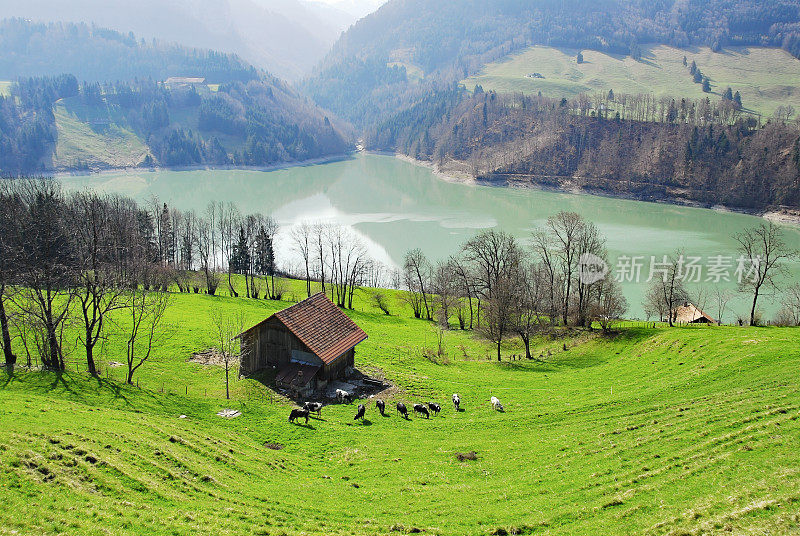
<point>435,408</point>
<point>381,405</point>
<point>457,401</point>
<point>401,409</point>
<point>343,396</point>
<point>298,414</point>
<point>496,404</point>
<point>422,410</point>
<point>360,413</point>
<point>313,407</point>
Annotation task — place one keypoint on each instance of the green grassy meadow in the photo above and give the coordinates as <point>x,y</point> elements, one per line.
<point>94,136</point>
<point>765,77</point>
<point>5,88</point>
<point>650,431</point>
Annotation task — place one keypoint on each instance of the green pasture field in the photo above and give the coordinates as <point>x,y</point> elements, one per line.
<point>765,77</point>
<point>647,431</point>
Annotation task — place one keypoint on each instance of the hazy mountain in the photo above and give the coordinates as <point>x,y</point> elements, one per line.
<point>95,54</point>
<point>286,37</point>
<point>356,9</point>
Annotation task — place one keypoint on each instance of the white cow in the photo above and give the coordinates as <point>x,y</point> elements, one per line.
<point>496,404</point>
<point>457,401</point>
<point>342,395</point>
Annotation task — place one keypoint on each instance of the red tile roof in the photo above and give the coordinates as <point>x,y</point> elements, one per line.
<point>322,327</point>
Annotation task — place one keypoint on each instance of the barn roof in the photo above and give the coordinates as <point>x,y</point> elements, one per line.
<point>689,313</point>
<point>321,326</point>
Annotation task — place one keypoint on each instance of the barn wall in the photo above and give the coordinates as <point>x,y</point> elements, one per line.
<point>269,344</point>
<point>337,369</point>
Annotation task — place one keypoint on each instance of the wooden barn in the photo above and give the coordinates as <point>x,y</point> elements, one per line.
<point>310,343</point>
<point>689,313</point>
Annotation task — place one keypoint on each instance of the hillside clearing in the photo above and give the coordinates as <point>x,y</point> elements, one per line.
<point>94,136</point>
<point>765,77</point>
<point>652,431</point>
<point>5,88</point>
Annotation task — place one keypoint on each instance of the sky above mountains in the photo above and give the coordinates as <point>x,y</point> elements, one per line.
<point>286,37</point>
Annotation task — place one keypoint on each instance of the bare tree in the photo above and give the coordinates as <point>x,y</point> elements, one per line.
<point>567,229</point>
<point>228,222</point>
<point>543,252</point>
<point>98,290</point>
<point>444,287</point>
<point>764,252</point>
<point>146,312</point>
<point>721,297</point>
<point>206,253</point>
<point>499,307</point>
<point>348,259</point>
<point>591,245</point>
<point>464,281</point>
<point>789,313</point>
<point>417,276</point>
<point>608,303</point>
<point>302,242</point>
<point>47,264</point>
<point>531,302</point>
<point>666,290</point>
<point>319,232</point>
<point>10,208</point>
<point>226,330</point>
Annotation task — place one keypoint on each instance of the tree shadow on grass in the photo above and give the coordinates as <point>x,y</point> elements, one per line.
<point>9,370</point>
<point>59,380</point>
<point>532,365</point>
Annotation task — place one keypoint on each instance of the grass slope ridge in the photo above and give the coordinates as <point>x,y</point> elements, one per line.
<point>452,39</point>
<point>765,77</point>
<point>666,431</point>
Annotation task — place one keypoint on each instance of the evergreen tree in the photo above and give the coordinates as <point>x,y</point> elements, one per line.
<point>580,58</point>
<point>737,98</point>
<point>706,85</point>
<point>728,95</point>
<point>240,258</point>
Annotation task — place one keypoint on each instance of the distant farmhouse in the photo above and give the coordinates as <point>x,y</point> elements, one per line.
<point>183,81</point>
<point>310,343</point>
<point>688,313</point>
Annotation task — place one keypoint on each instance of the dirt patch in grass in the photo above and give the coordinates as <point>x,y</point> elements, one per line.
<point>211,356</point>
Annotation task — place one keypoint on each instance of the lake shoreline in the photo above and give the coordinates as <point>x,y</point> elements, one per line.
<point>783,215</point>
<point>203,167</point>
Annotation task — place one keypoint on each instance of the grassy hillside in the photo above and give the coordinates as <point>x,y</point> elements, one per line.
<point>94,136</point>
<point>765,77</point>
<point>653,431</point>
<point>5,88</point>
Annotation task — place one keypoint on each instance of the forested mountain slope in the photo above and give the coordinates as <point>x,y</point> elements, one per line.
<point>130,113</point>
<point>632,146</point>
<point>450,39</point>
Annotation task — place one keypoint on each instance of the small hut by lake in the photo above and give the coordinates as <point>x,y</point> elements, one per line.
<point>310,344</point>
